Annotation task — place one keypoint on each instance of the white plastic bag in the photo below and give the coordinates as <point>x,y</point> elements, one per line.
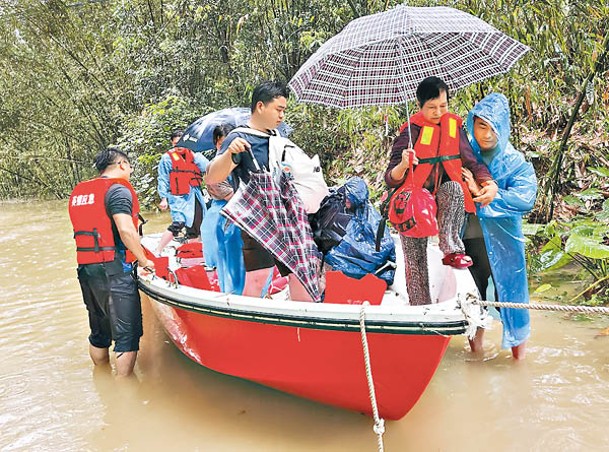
<point>307,176</point>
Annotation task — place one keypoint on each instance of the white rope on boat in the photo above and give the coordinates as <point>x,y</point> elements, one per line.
<point>379,423</point>
<point>545,307</point>
<point>473,299</point>
<point>474,314</point>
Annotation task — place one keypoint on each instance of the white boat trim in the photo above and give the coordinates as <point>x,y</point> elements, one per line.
<point>393,315</point>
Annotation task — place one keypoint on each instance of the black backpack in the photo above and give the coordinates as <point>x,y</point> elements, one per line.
<point>329,223</point>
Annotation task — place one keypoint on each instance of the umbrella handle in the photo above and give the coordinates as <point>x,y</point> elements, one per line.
<point>254,159</point>
<point>409,132</point>
<point>237,159</point>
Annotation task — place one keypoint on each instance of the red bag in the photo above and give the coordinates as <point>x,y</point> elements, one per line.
<point>412,210</point>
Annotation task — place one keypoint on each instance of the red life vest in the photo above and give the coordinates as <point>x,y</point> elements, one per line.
<point>91,223</point>
<point>184,171</point>
<point>439,143</point>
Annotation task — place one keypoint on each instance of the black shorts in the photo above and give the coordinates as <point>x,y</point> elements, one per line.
<point>193,231</point>
<point>256,257</point>
<point>114,307</point>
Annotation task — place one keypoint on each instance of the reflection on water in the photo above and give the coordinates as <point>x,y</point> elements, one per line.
<point>51,398</point>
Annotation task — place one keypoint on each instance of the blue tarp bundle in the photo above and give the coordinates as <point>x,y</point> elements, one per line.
<point>356,253</point>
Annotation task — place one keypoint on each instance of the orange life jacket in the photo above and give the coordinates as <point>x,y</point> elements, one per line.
<point>91,223</point>
<point>184,171</point>
<point>439,144</point>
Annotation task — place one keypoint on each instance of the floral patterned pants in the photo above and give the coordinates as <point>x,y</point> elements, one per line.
<point>451,215</point>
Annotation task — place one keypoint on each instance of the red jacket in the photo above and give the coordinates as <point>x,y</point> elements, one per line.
<point>91,223</point>
<point>184,171</point>
<point>439,144</point>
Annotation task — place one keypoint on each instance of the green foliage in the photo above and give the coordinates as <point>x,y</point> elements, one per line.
<point>602,216</point>
<point>78,76</point>
<point>147,135</point>
<point>583,241</point>
<point>587,240</point>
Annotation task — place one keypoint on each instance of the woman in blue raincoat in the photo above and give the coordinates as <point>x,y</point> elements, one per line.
<point>500,253</point>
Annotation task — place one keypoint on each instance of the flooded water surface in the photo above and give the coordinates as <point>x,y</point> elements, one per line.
<point>51,397</point>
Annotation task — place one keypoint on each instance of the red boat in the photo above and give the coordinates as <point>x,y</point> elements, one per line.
<point>314,350</point>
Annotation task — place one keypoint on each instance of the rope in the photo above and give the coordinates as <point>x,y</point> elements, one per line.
<point>379,423</point>
<point>545,307</point>
<point>471,298</point>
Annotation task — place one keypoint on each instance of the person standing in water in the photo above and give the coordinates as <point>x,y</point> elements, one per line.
<point>104,213</point>
<point>494,237</point>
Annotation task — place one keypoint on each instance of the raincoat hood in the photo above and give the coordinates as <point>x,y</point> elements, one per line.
<point>357,191</point>
<point>495,110</point>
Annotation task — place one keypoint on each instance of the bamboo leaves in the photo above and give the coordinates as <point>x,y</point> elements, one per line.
<point>79,76</point>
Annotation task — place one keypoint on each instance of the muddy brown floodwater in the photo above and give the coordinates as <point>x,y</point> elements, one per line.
<point>52,399</point>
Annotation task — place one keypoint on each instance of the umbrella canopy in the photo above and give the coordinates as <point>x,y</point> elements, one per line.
<point>276,218</point>
<point>380,59</point>
<point>198,136</point>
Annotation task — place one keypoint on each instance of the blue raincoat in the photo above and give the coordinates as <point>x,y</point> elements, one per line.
<point>208,233</point>
<point>356,253</point>
<point>501,220</point>
<point>182,207</point>
<point>223,249</point>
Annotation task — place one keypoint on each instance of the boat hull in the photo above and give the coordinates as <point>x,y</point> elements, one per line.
<point>315,350</point>
<point>324,363</point>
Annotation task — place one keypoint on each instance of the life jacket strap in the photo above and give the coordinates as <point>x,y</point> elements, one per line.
<point>140,228</point>
<point>438,159</point>
<point>97,249</point>
<point>95,236</point>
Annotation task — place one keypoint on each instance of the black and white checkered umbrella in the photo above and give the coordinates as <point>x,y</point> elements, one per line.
<point>380,59</point>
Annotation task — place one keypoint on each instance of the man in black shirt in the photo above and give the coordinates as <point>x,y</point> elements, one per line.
<point>236,157</point>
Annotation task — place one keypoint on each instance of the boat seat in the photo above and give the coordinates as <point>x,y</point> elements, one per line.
<point>161,263</point>
<point>196,277</point>
<point>190,254</point>
<point>190,250</point>
<point>343,289</point>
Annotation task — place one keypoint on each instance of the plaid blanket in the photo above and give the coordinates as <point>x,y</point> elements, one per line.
<point>276,218</point>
